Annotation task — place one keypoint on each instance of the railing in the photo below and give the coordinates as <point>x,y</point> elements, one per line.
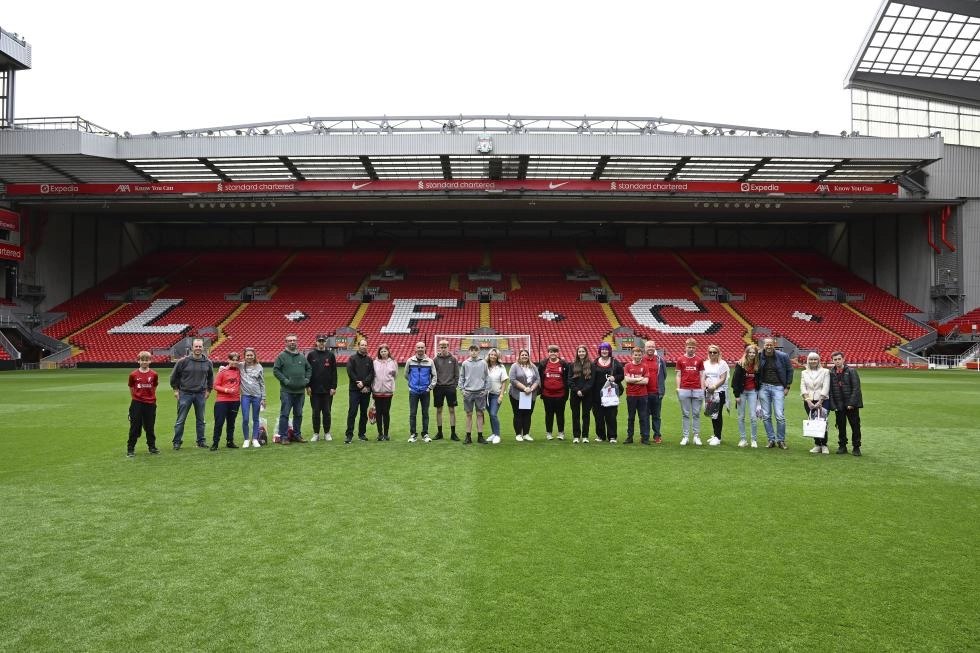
<point>74,123</point>
<point>9,346</point>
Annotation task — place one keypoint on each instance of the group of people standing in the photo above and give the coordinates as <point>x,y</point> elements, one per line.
<point>592,386</point>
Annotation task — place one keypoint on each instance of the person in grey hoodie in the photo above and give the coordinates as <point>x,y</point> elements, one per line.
<point>192,380</point>
<point>474,382</point>
<point>294,372</point>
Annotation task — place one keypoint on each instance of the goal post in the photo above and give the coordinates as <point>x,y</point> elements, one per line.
<point>508,345</point>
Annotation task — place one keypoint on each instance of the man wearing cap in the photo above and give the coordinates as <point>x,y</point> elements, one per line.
<point>322,387</point>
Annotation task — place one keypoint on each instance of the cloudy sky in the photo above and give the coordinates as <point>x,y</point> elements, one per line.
<point>179,65</point>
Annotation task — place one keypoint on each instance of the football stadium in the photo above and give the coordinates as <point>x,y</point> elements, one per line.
<point>504,233</point>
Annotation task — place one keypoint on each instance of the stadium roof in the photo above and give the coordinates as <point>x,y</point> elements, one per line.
<point>75,151</point>
<point>927,48</point>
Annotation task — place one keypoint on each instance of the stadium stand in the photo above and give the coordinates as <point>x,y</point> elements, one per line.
<point>967,324</point>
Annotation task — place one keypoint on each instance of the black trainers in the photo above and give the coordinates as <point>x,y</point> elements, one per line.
<point>781,444</point>
<point>438,435</point>
<point>177,446</point>
<point>642,441</point>
<point>628,440</point>
<point>362,438</point>
<point>453,437</point>
<point>130,453</point>
<point>154,450</point>
<point>842,449</point>
<point>468,440</point>
<point>214,447</point>
<point>201,445</point>
<point>348,440</point>
<point>480,440</point>
<point>857,451</point>
<point>231,445</point>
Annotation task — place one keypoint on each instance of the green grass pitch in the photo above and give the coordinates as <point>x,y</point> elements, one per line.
<point>541,546</point>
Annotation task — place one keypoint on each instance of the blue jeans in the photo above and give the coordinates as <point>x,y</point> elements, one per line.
<point>654,403</point>
<point>414,399</point>
<point>184,401</point>
<point>290,401</point>
<point>251,406</point>
<point>636,405</point>
<point>493,406</point>
<point>773,400</point>
<point>749,400</point>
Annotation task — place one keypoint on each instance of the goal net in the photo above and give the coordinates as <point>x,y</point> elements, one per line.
<point>508,345</point>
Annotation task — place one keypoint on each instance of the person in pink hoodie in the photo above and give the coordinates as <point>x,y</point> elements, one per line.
<point>383,389</point>
<point>227,388</point>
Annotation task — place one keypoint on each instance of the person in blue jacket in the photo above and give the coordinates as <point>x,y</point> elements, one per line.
<point>420,370</point>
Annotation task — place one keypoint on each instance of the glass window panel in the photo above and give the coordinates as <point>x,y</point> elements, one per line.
<point>943,120</point>
<point>878,39</point>
<point>950,60</point>
<point>883,99</point>
<point>917,58</point>
<point>860,126</point>
<point>893,9</point>
<point>942,45</point>
<point>970,138</point>
<point>958,46</point>
<point>913,117</point>
<point>912,102</point>
<point>901,57</point>
<point>943,106</point>
<point>968,62</point>
<point>902,25</point>
<point>859,111</point>
<point>970,122</point>
<point>952,137</point>
<point>935,28</point>
<point>859,95</point>
<point>933,59</point>
<point>871,54</point>
<point>943,72</point>
<point>912,131</point>
<point>952,29</point>
<point>928,70</point>
<point>884,129</point>
<point>927,42</point>
<point>883,114</point>
<point>894,40</point>
<point>943,16</point>
<point>908,11</point>
<point>973,48</point>
<point>927,13</point>
<point>969,31</point>
<point>918,26</point>
<point>886,55</point>
<point>968,111</point>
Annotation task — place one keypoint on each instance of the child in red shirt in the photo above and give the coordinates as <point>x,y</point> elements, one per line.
<point>637,379</point>
<point>227,391</point>
<point>143,407</point>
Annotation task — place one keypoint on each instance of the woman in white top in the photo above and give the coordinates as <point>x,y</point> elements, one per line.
<point>715,385</point>
<point>498,385</point>
<point>815,390</point>
<point>524,380</point>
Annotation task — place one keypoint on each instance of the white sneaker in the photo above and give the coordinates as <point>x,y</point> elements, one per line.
<point>256,444</point>
<point>412,439</point>
<point>245,444</point>
<point>697,441</point>
<point>548,437</point>
<point>520,438</point>
<point>824,449</point>
<point>684,441</point>
<point>816,449</point>
<point>561,436</point>
<point>574,440</point>
<point>316,436</point>
<point>585,440</point>
<point>743,443</point>
<point>612,440</point>
<point>494,439</point>
<point>426,439</point>
<point>528,438</point>
<point>328,437</point>
<point>755,445</point>
<point>714,442</point>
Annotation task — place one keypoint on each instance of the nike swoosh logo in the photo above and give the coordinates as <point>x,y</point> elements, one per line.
<point>552,185</point>
<point>360,186</point>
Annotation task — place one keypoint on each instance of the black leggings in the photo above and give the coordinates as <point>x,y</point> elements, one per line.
<point>382,413</point>
<point>581,415</point>
<point>719,421</point>
<point>554,407</point>
<point>522,418</point>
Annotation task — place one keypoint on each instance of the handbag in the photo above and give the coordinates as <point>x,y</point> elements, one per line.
<point>609,395</point>
<point>815,426</point>
<point>712,407</point>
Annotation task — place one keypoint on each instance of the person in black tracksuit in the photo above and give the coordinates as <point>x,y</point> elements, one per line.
<point>323,386</point>
<point>360,372</point>
<point>846,402</point>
